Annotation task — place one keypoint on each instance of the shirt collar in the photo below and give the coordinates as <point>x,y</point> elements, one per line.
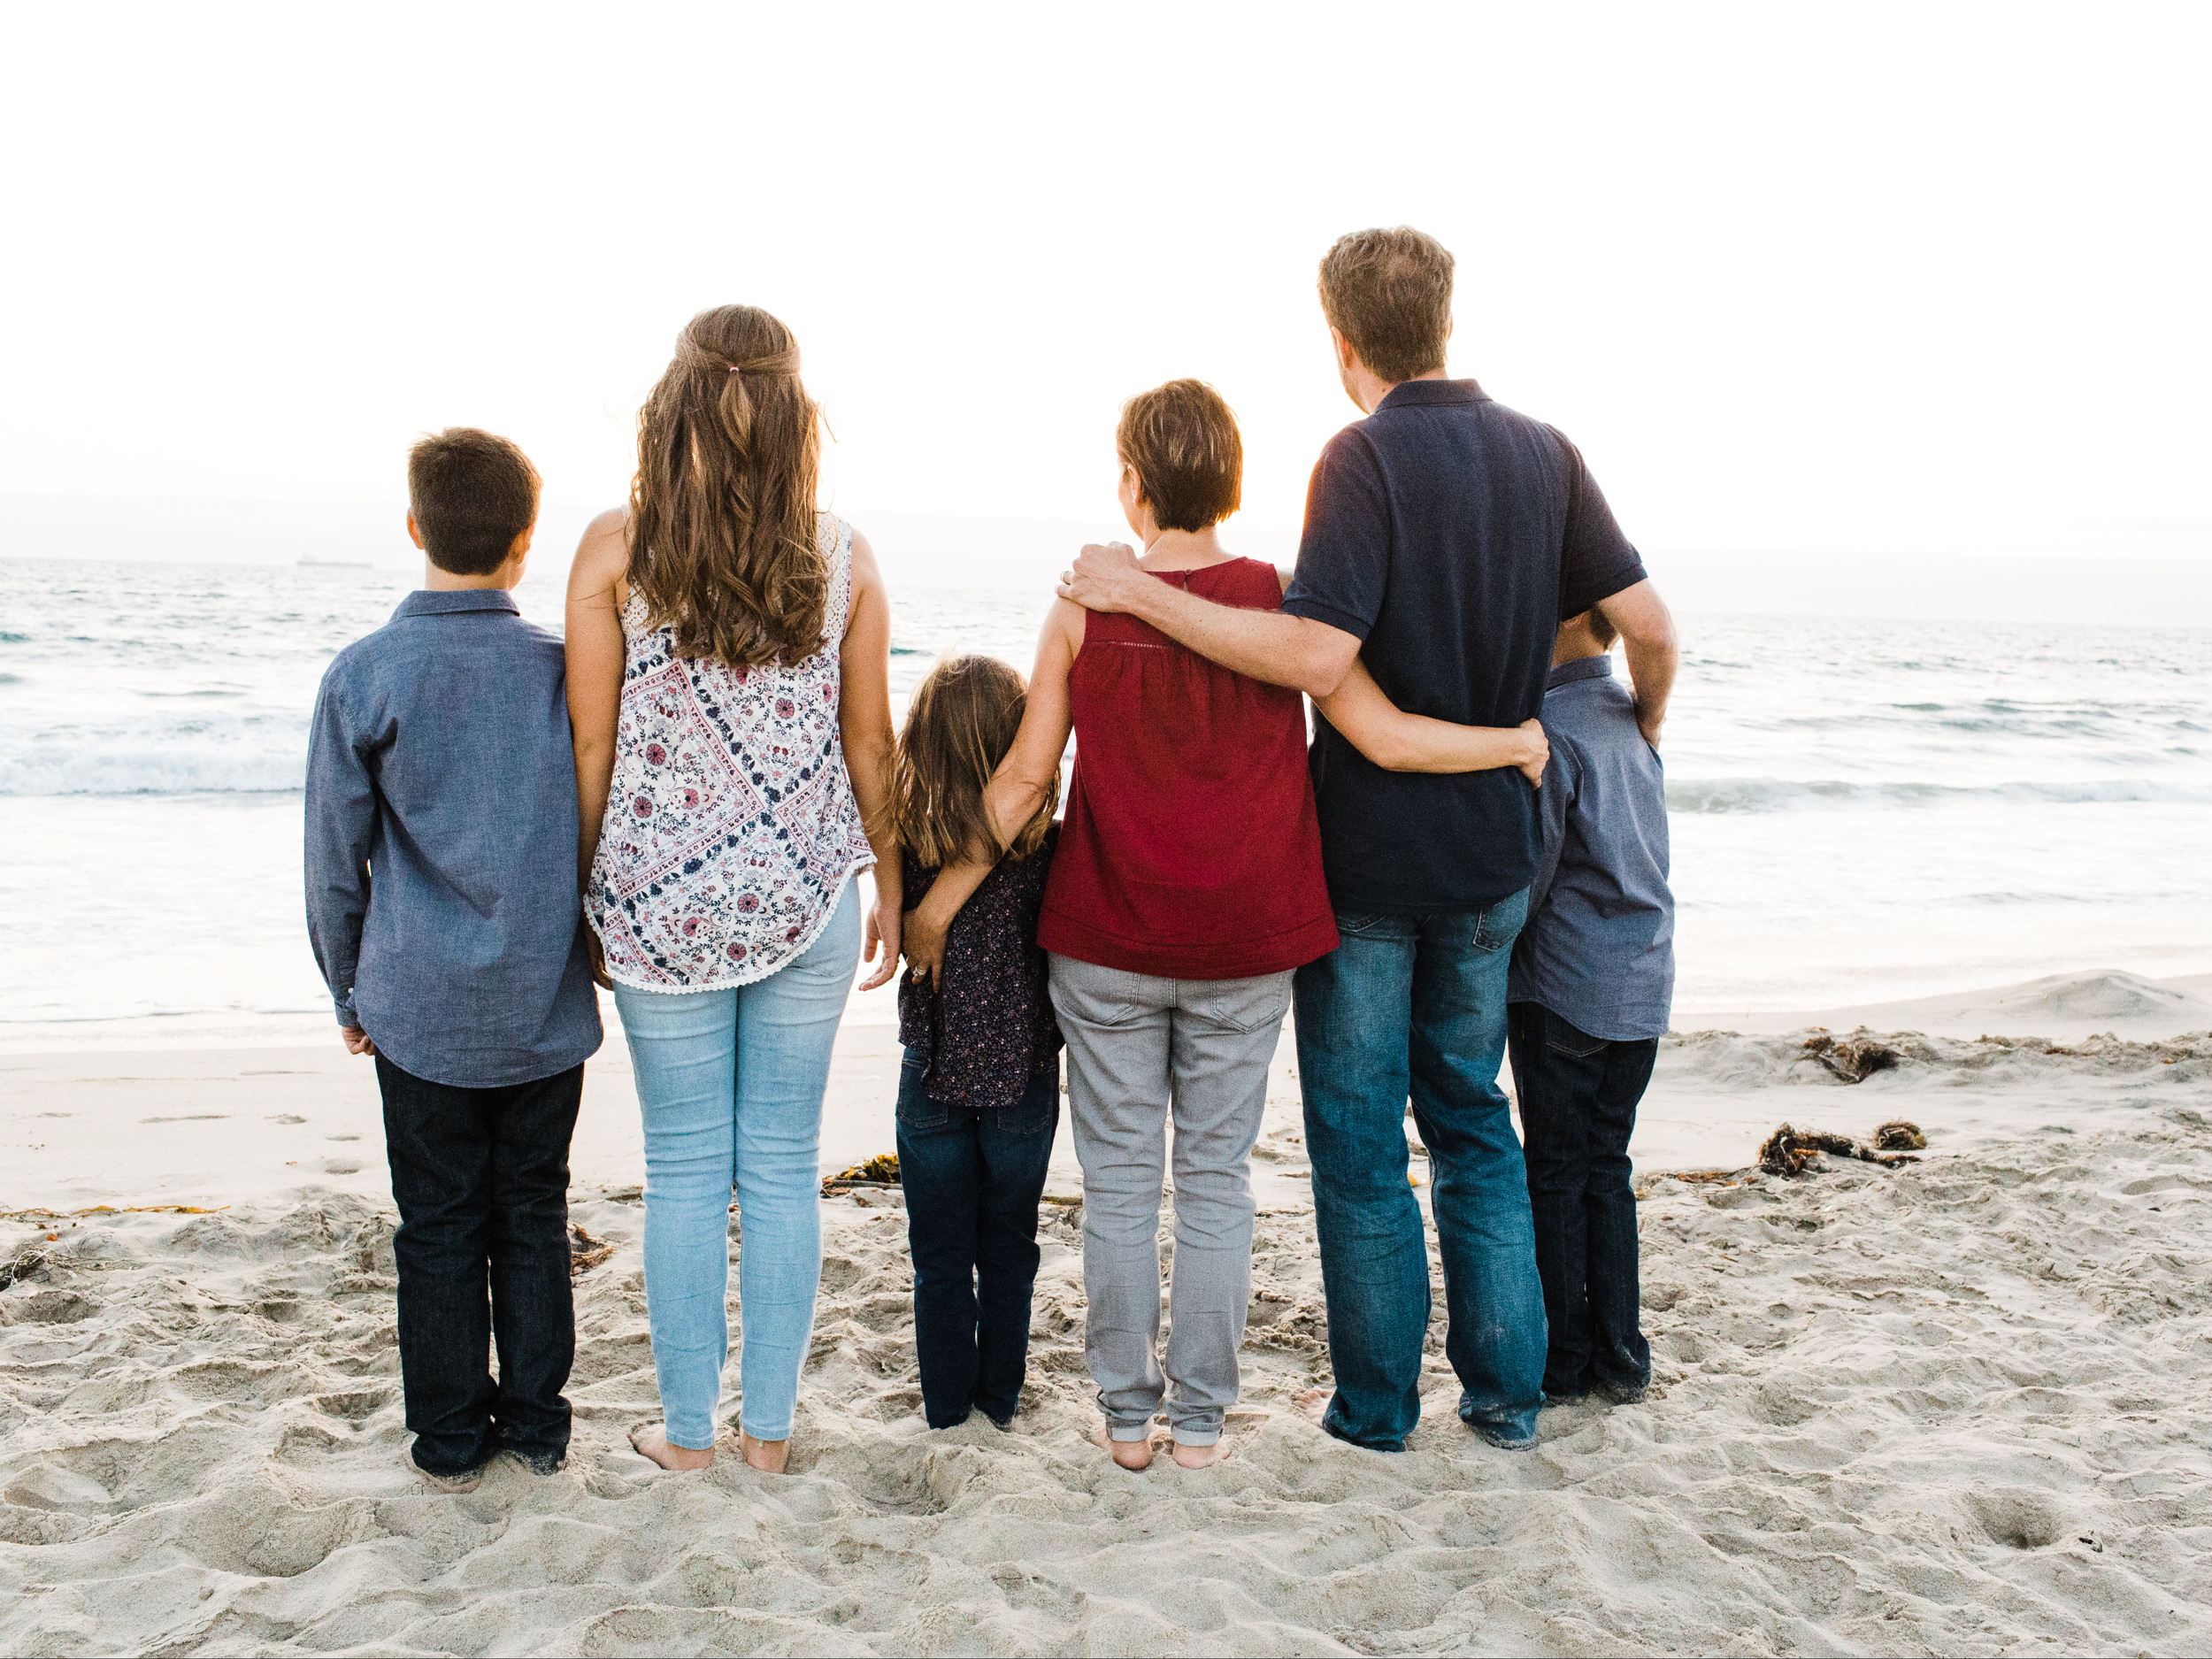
<point>431,602</point>
<point>1598,667</point>
<point>1411,393</point>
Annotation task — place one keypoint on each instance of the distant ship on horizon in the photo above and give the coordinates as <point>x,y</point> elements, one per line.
<point>311,562</point>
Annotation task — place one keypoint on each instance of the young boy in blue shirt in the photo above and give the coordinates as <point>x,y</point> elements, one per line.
<point>441,900</point>
<point>1593,979</point>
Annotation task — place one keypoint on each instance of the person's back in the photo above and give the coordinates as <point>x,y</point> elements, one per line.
<point>441,849</point>
<point>1591,983</point>
<point>1598,948</point>
<point>1490,530</point>
<point>471,968</point>
<point>1162,871</point>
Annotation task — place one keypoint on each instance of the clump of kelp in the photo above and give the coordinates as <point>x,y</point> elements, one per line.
<point>1793,1151</point>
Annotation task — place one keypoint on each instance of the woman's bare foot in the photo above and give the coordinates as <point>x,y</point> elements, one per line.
<point>1134,1455</point>
<point>654,1443</point>
<point>1199,1456</point>
<point>1313,1404</point>
<point>768,1456</point>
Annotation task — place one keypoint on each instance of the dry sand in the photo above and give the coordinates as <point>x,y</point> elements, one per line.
<point>1964,1407</point>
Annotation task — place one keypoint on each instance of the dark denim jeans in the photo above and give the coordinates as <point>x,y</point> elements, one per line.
<point>1415,1006</point>
<point>480,1176</point>
<point>1578,1096</point>
<point>973,1182</point>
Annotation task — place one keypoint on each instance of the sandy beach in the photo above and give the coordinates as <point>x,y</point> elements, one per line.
<point>1964,1406</point>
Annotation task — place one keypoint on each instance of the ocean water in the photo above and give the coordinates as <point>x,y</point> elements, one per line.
<point>1862,808</point>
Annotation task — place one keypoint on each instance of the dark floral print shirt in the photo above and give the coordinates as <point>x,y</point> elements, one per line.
<point>988,1028</point>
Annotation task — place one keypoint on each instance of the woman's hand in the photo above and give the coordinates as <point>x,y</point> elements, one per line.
<point>1539,752</point>
<point>882,934</point>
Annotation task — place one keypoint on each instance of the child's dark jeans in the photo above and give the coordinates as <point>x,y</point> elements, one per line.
<point>480,1176</point>
<point>1577,1098</point>
<point>973,1182</point>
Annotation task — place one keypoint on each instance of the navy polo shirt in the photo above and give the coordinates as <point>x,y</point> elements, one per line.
<point>1450,535</point>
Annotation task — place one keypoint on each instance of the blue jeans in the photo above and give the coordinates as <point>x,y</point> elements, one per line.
<point>731,1085</point>
<point>1415,1006</point>
<point>973,1182</point>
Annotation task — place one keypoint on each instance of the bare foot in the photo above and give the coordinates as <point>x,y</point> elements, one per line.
<point>1313,1404</point>
<point>654,1443</point>
<point>1199,1456</point>
<point>768,1456</point>
<point>1134,1455</point>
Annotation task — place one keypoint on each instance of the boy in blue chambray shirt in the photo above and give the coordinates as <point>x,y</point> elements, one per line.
<point>1593,979</point>
<point>441,899</point>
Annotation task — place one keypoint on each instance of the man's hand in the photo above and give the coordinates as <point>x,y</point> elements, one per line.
<point>357,1040</point>
<point>881,934</point>
<point>1649,722</point>
<point>1540,752</point>
<point>1103,578</point>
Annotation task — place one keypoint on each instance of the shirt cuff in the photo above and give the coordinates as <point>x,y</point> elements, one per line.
<point>348,1016</point>
<point>1315,610</point>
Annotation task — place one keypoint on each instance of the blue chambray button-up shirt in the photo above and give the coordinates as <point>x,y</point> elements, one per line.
<point>441,894</point>
<point>1598,947</point>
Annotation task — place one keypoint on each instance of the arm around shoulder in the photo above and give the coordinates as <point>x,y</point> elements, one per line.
<point>1399,741</point>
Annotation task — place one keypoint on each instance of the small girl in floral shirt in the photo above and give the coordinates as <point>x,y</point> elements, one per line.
<point>979,1091</point>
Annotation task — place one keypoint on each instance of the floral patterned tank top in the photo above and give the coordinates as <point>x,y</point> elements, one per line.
<point>731,826</point>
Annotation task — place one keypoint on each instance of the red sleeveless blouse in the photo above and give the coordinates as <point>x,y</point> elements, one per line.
<point>1190,848</point>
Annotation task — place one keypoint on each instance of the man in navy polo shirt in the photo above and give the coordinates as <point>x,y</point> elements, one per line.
<point>1447,537</point>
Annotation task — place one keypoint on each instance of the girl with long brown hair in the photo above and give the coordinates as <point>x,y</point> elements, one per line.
<point>728,685</point>
<point>980,1090</point>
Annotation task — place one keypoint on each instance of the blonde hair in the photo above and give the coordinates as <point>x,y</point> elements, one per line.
<point>724,541</point>
<point>961,724</point>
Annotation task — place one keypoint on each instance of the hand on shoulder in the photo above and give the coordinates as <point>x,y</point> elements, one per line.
<point>1101,577</point>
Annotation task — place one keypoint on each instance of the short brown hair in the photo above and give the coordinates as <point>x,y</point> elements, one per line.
<point>961,724</point>
<point>1389,292</point>
<point>1182,440</point>
<point>473,495</point>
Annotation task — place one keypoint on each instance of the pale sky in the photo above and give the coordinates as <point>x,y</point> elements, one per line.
<point>1880,277</point>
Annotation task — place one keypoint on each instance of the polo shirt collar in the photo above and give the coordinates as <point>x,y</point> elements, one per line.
<point>431,602</point>
<point>1413,394</point>
<point>1598,667</point>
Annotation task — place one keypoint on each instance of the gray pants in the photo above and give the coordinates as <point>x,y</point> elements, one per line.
<point>1140,1050</point>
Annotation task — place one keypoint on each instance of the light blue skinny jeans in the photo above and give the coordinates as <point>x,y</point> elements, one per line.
<point>730,1084</point>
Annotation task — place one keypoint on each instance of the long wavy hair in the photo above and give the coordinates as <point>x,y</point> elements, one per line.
<point>958,728</point>
<point>724,540</point>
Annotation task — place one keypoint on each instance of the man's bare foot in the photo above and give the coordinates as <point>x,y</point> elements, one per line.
<point>768,1456</point>
<point>1134,1454</point>
<point>654,1443</point>
<point>1199,1456</point>
<point>1313,1404</point>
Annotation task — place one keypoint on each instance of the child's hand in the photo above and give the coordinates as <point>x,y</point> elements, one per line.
<point>1540,752</point>
<point>597,951</point>
<point>924,943</point>
<point>881,934</point>
<point>357,1040</point>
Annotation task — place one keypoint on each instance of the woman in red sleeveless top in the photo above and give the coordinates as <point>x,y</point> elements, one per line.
<point>1186,887</point>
